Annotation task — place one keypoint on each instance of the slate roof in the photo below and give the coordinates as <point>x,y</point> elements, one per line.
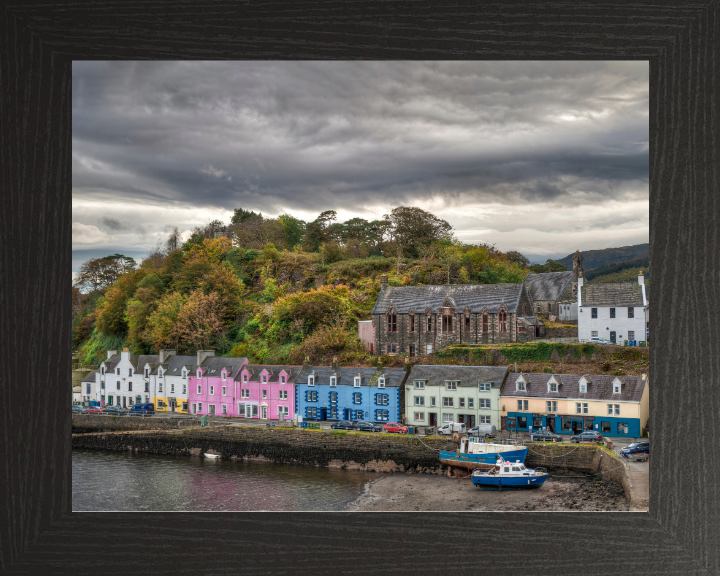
<point>175,364</point>
<point>256,369</point>
<point>600,387</point>
<point>139,361</point>
<point>217,363</point>
<point>111,363</point>
<point>474,296</point>
<point>90,377</point>
<point>612,294</point>
<point>548,285</point>
<point>467,376</point>
<point>394,377</point>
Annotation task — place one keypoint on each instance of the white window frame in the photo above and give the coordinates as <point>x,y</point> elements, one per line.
<point>244,393</point>
<point>184,389</point>
<point>356,382</point>
<point>283,395</point>
<point>245,378</point>
<point>617,409</point>
<point>419,384</point>
<point>212,390</point>
<point>447,418</point>
<point>224,390</point>
<point>485,404</point>
<point>282,380</point>
<point>585,408</point>
<point>448,402</point>
<point>159,387</point>
<point>264,379</point>
<point>224,409</point>
<point>357,398</point>
<point>484,386</point>
<point>451,385</point>
<point>172,388</point>
<point>311,380</point>
<point>419,400</point>
<point>552,387</point>
<point>241,409</point>
<point>199,406</point>
<point>471,403</point>
<point>381,382</point>
<point>578,408</point>
<point>550,404</point>
<point>583,386</point>
<point>484,420</point>
<point>617,388</point>
<point>419,416</point>
<point>594,334</point>
<point>224,377</point>
<point>199,373</point>
<point>264,394</point>
<point>333,381</point>
<point>428,349</point>
<point>520,386</point>
<point>199,389</point>
<point>432,401</point>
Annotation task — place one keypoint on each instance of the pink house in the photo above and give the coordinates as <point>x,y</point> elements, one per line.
<point>213,386</point>
<point>266,392</point>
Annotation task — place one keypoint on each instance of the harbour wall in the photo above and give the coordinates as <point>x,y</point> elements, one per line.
<point>83,423</point>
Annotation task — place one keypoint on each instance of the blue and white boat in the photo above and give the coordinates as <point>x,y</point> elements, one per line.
<point>474,453</point>
<point>509,476</point>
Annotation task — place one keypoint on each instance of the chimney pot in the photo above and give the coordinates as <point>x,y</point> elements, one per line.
<point>383,282</point>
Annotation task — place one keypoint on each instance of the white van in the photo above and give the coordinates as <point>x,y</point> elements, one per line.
<point>452,427</point>
<point>483,431</point>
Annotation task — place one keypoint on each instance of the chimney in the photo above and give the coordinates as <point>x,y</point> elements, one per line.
<point>165,354</point>
<point>111,353</point>
<point>334,363</point>
<point>641,281</point>
<point>580,285</point>
<point>125,354</point>
<point>383,281</point>
<point>202,354</point>
<point>306,363</point>
<point>407,365</point>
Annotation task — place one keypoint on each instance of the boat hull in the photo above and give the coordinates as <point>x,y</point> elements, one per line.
<point>517,483</point>
<point>487,460</point>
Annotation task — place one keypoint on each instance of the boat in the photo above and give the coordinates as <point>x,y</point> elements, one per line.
<point>474,453</point>
<point>509,476</point>
<point>212,455</point>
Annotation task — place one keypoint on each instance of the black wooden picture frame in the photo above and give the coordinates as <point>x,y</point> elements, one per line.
<point>38,532</point>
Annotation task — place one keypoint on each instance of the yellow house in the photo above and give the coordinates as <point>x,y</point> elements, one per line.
<point>572,403</point>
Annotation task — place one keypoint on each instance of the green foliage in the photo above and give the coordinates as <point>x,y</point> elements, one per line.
<point>94,350</point>
<point>241,215</point>
<point>293,229</point>
<point>549,266</point>
<point>520,352</point>
<point>111,317</point>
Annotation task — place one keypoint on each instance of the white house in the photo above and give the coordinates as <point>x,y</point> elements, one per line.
<point>121,381</point>
<point>616,311</point>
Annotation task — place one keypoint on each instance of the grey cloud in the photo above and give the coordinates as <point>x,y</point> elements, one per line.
<point>114,224</point>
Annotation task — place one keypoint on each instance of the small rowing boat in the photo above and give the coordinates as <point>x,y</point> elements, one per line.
<point>509,476</point>
<point>212,455</point>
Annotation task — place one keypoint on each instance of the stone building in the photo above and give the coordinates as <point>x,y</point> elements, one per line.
<point>555,293</point>
<point>418,320</point>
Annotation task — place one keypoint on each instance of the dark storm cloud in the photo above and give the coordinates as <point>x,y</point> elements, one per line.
<point>311,136</point>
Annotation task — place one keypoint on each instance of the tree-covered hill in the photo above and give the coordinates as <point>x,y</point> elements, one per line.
<point>595,258</point>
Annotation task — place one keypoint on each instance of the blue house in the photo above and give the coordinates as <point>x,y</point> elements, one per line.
<point>334,393</point>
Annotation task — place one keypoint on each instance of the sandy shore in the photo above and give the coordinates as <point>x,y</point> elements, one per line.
<point>429,493</point>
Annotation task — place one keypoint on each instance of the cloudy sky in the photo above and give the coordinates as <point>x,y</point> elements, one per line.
<point>540,157</point>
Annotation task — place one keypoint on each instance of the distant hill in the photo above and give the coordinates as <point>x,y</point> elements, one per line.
<point>596,258</point>
<point>625,269</point>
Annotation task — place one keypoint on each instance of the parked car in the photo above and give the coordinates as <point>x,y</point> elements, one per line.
<point>587,436</point>
<point>636,448</point>
<point>344,425</point>
<point>369,427</point>
<point>139,409</point>
<point>395,427</point>
<point>599,340</point>
<point>116,411</point>
<point>78,410</point>
<point>545,436</point>
<point>483,430</point>
<point>96,410</point>
<point>452,427</point>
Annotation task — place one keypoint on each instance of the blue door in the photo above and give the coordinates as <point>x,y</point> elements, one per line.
<point>612,337</point>
<point>323,413</point>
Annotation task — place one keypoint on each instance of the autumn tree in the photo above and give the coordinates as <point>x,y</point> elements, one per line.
<point>411,228</point>
<point>110,313</point>
<point>293,229</point>
<point>519,259</point>
<point>173,241</point>
<point>316,232</point>
<point>256,231</point>
<point>100,273</point>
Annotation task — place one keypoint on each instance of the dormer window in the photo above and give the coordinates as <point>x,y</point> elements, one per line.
<point>520,385</point>
<point>147,372</point>
<point>245,376</point>
<point>419,384</point>
<point>381,382</point>
<point>130,372</point>
<point>102,370</point>
<point>617,387</point>
<point>199,374</point>
<point>224,375</point>
<point>282,379</point>
<point>333,380</point>
<point>264,378</point>
<point>356,382</point>
<point>451,385</point>
<point>160,372</point>
<point>311,380</point>
<point>583,385</point>
<point>552,385</point>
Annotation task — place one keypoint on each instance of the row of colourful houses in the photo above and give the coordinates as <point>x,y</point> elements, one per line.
<point>425,395</point>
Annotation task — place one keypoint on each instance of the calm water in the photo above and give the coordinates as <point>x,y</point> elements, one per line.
<point>121,481</point>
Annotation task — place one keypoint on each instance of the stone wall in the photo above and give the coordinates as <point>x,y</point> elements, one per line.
<point>82,423</point>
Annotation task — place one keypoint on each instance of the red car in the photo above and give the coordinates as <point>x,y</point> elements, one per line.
<point>395,427</point>
<point>96,410</point>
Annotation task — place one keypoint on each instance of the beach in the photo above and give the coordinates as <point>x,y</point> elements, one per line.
<point>433,493</point>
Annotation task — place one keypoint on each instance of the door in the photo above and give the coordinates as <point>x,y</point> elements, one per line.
<point>612,337</point>
<point>124,405</point>
<point>264,412</point>
<point>503,423</point>
<point>433,419</point>
<point>551,424</point>
<point>577,427</point>
<point>323,414</point>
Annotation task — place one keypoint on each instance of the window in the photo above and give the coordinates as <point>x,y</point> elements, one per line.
<point>447,323</point>
<point>552,387</point>
<point>184,406</point>
<point>585,407</point>
<point>199,373</point>
<point>359,415</point>
<point>605,427</point>
<point>356,382</point>
<point>391,348</point>
<point>432,401</point>
<point>578,408</point>
<point>381,399</point>
<point>254,410</point>
<point>333,380</point>
<point>333,396</point>
<point>264,394</point>
<point>467,322</point>
<point>450,385</point>
<point>594,333</point>
<point>471,403</point>
<point>502,318</point>
<point>448,402</point>
<point>610,409</point>
<point>612,312</point>
<point>311,412</point>
<point>357,398</point>
<point>283,395</point>
<point>311,380</point>
<point>311,395</point>
<point>245,376</point>
<point>117,371</point>
<point>485,322</point>
<point>224,409</point>
<point>428,323</point>
<point>147,372</point>
<point>447,417</point>
<point>264,379</point>
<point>484,403</point>
<point>622,428</point>
<point>147,386</point>
<point>282,379</point>
<point>129,386</point>
<point>172,388</point>
<point>411,350</point>
<point>522,405</point>
<point>428,349</point>
<point>412,323</point>
<point>631,335</point>
<point>224,377</point>
<point>224,390</point>
<point>461,403</point>
<point>241,410</point>
<point>583,386</point>
<point>199,389</point>
<point>616,387</point>
<point>522,422</point>
<point>419,416</point>
<point>159,386</point>
<point>244,393</point>
<point>593,312</point>
<point>617,409</point>
<point>520,386</point>
<point>484,386</point>
<point>130,372</point>
<point>102,370</point>
<point>484,419</point>
<point>381,382</point>
<point>419,401</point>
<point>88,388</point>
<point>199,406</point>
<point>391,322</point>
<point>102,386</point>
<point>184,388</point>
<point>212,390</point>
<point>419,384</point>
<point>381,415</point>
